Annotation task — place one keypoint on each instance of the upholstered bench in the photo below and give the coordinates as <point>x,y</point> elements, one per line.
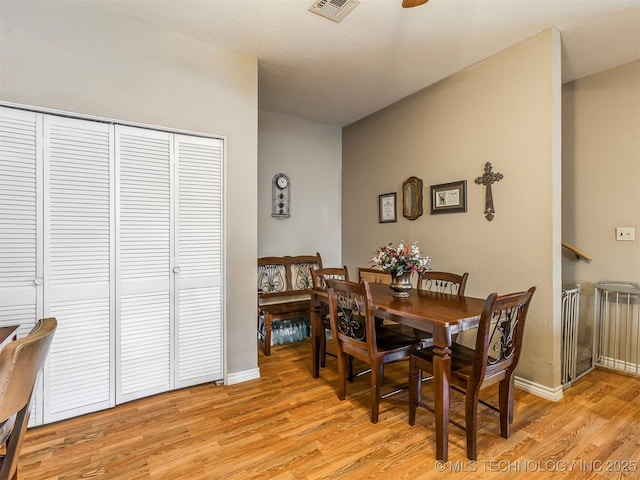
<point>283,284</point>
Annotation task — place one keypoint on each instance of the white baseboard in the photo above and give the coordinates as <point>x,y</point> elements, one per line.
<point>553,394</point>
<point>239,377</point>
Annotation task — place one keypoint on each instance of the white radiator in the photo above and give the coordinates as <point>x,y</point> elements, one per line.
<point>617,326</point>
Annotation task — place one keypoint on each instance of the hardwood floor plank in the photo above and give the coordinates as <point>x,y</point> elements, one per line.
<point>287,425</point>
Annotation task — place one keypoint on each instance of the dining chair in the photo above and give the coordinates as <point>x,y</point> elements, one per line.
<point>443,282</point>
<point>318,276</point>
<point>20,362</point>
<point>373,275</point>
<point>354,329</point>
<point>493,360</point>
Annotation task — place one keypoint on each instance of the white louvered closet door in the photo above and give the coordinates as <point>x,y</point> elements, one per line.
<point>21,267</point>
<point>21,229</point>
<point>78,265</point>
<point>117,232</point>
<point>198,260</point>
<point>144,344</point>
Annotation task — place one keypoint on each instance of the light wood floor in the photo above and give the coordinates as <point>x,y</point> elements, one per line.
<point>287,425</point>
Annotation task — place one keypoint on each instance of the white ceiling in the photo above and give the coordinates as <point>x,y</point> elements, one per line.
<point>337,73</point>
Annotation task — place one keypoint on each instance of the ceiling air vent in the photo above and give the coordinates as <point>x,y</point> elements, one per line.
<point>334,10</point>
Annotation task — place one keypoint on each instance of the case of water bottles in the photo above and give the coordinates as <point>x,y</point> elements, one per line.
<point>288,331</point>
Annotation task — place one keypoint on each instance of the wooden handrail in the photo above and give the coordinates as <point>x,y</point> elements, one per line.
<point>580,255</point>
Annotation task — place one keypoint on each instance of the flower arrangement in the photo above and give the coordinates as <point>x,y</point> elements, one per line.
<point>401,259</point>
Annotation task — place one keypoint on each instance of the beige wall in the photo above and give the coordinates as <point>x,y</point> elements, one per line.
<point>601,178</point>
<point>141,74</point>
<point>504,110</point>
<point>310,154</point>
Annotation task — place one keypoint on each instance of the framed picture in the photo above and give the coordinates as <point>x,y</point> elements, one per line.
<point>412,198</point>
<point>387,207</point>
<point>449,197</point>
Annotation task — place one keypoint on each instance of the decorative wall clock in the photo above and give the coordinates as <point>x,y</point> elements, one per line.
<point>281,196</point>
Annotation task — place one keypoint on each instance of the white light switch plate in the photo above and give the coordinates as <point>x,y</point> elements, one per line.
<point>625,233</point>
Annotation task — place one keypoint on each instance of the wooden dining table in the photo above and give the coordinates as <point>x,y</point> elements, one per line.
<point>8,333</point>
<point>440,314</point>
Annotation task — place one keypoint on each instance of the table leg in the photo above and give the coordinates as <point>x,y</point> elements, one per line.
<point>441,377</point>
<point>316,331</point>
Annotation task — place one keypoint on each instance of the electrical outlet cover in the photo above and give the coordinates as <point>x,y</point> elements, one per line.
<point>625,233</point>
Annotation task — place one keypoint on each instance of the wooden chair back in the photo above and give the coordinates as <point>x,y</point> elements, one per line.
<point>318,276</point>
<point>443,282</point>
<point>499,338</point>
<point>352,320</point>
<point>20,362</point>
<point>288,275</point>
<point>373,275</point>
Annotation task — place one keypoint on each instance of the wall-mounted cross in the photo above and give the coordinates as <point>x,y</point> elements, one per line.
<point>487,179</point>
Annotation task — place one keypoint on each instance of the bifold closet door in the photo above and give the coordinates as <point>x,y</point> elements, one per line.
<point>21,269</point>
<point>144,252</point>
<point>78,265</point>
<point>55,252</point>
<point>198,275</point>
<point>170,261</point>
<point>117,232</point>
<point>21,228</point>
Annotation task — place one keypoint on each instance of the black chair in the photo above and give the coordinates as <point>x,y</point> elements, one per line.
<point>494,360</point>
<point>20,362</point>
<point>354,329</point>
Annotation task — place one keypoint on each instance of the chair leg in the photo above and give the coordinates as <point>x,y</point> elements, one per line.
<point>9,466</point>
<point>323,348</point>
<point>471,424</point>
<point>505,404</point>
<point>511,399</point>
<point>377,372</point>
<point>414,389</point>
<point>351,376</point>
<point>342,374</point>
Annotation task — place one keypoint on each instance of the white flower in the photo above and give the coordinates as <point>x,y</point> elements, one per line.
<point>401,259</point>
